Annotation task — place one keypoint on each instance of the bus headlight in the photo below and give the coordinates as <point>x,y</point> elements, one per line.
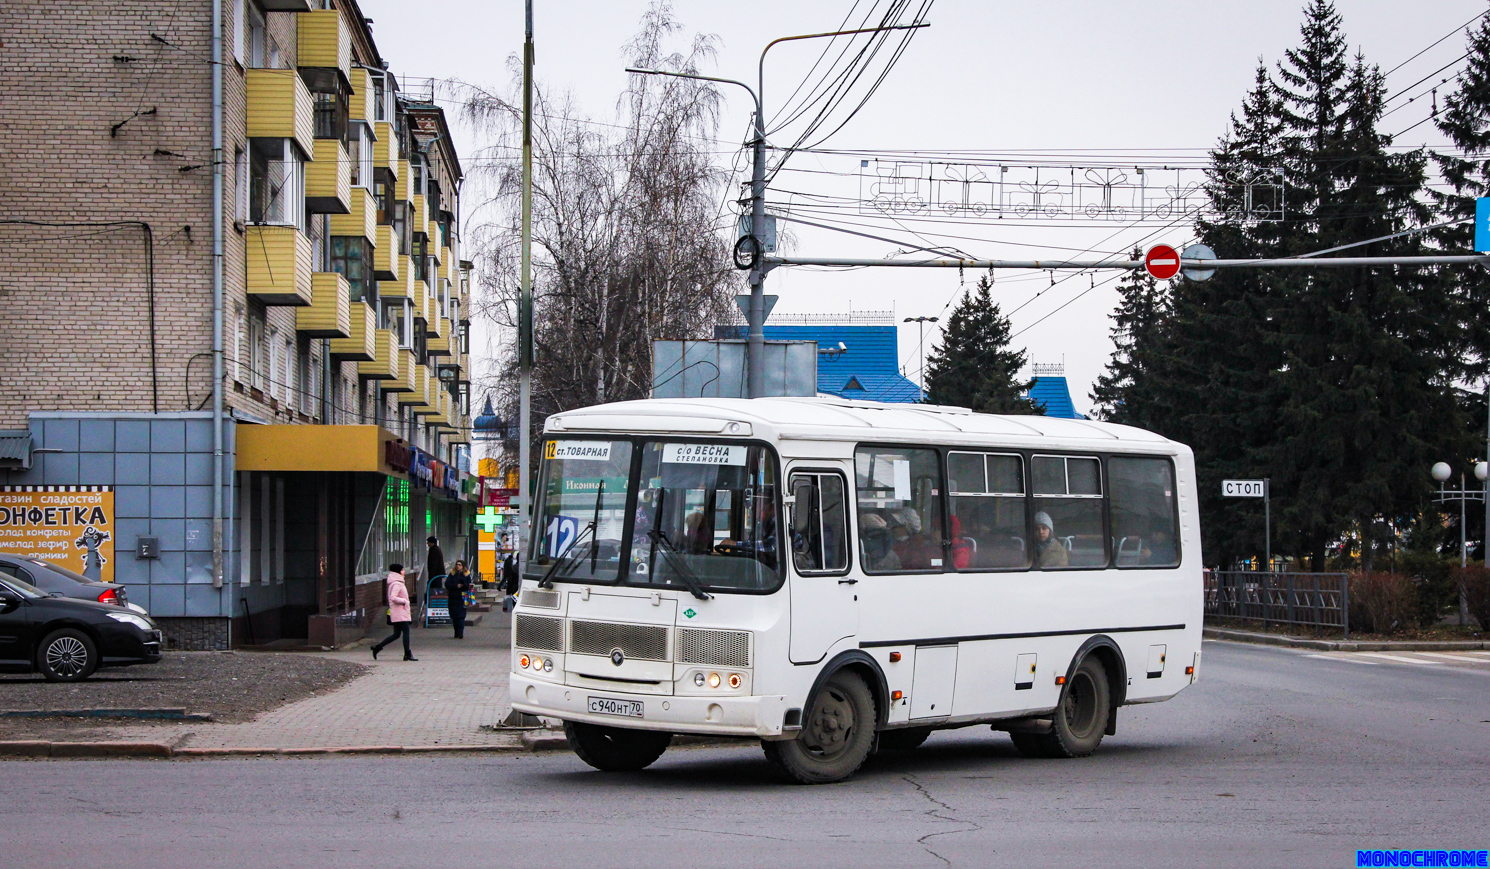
<point>713,680</point>
<point>548,665</point>
<point>734,680</point>
<point>698,679</point>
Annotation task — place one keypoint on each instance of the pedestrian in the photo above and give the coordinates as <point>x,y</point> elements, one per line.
<point>511,579</point>
<point>434,562</point>
<point>457,583</point>
<point>400,615</point>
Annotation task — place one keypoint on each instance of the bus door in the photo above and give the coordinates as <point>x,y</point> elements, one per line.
<point>824,603</point>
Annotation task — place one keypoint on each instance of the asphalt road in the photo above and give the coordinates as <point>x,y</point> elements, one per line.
<point>1275,759</point>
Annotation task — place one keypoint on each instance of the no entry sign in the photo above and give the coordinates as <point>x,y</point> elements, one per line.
<point>1162,261</point>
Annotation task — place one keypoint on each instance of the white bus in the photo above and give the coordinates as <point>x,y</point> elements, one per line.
<point>837,577</point>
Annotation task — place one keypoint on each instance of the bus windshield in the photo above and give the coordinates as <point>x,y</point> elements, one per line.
<point>581,510</point>
<point>706,512</point>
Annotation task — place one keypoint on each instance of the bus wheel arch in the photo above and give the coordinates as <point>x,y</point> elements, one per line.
<point>1111,655</point>
<point>838,730</point>
<point>867,669</point>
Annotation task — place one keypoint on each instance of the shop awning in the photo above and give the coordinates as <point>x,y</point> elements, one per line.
<point>15,448</point>
<point>345,448</point>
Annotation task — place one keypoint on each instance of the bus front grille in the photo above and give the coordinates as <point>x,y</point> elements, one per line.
<point>640,642</point>
<point>716,648</point>
<point>539,632</point>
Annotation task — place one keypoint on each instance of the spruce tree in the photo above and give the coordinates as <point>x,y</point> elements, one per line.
<point>974,367</point>
<point>1122,392</point>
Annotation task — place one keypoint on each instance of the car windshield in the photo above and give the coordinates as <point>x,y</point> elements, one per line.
<point>23,588</point>
<point>582,510</point>
<point>706,513</point>
<point>61,571</point>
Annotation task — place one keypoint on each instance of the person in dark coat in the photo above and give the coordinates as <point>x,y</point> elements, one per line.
<point>457,583</point>
<point>434,563</point>
<point>511,581</point>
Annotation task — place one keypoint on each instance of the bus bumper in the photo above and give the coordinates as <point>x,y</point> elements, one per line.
<point>722,716</point>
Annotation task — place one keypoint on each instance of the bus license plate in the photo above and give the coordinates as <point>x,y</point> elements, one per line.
<point>607,706</point>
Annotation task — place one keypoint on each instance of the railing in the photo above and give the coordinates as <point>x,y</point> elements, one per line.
<point>1319,600</point>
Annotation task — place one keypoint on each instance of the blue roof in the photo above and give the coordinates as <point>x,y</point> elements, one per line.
<point>1056,396</point>
<point>872,360</point>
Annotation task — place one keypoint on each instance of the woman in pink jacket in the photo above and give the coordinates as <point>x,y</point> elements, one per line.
<point>399,614</point>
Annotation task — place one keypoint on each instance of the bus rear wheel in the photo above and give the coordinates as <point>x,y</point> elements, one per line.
<point>836,736</point>
<point>616,749</point>
<point>1080,719</point>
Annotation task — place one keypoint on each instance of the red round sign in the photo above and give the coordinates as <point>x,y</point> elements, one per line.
<point>1162,261</point>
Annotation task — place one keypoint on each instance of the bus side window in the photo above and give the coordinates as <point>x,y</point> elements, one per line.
<point>900,510</point>
<point>1143,514</point>
<point>819,524</point>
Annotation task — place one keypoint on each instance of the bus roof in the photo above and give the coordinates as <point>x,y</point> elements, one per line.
<point>829,418</point>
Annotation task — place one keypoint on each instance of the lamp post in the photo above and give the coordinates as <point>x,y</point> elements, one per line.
<point>1463,494</point>
<point>921,346</point>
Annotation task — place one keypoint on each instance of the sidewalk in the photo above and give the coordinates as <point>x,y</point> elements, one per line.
<point>1237,636</point>
<point>439,702</point>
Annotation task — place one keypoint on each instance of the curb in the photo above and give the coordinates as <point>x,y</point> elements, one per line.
<point>39,748</point>
<point>1343,645</point>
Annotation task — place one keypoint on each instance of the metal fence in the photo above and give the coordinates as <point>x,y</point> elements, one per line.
<point>1319,600</point>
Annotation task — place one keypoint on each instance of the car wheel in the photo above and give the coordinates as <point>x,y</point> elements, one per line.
<point>616,749</point>
<point>836,734</point>
<point>1079,721</point>
<point>67,655</point>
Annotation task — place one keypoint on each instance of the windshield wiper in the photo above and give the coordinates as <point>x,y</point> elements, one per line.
<point>669,553</point>
<point>548,578</point>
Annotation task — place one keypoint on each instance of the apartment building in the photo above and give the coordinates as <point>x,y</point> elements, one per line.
<point>233,312</point>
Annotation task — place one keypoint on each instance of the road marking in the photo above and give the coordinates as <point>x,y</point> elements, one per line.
<point>1459,657</point>
<point>1337,657</point>
<point>1401,659</point>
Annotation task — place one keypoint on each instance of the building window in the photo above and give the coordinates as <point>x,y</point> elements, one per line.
<point>351,257</point>
<point>276,183</point>
<point>310,383</point>
<point>463,329</point>
<point>258,355</point>
<point>240,182</point>
<point>379,99</point>
<point>316,231</point>
<point>398,319</point>
<point>332,106</point>
<point>257,35</point>
<point>292,395</point>
<point>240,338</point>
<point>365,156</point>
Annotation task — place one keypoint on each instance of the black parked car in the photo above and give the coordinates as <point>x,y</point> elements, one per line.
<point>67,639</point>
<point>51,577</point>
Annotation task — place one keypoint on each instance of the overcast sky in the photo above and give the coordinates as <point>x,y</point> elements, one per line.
<point>1104,81</point>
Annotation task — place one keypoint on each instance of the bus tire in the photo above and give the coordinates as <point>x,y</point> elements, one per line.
<point>616,749</point>
<point>904,739</point>
<point>1079,721</point>
<point>836,737</point>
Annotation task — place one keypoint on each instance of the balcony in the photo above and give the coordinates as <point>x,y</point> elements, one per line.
<point>447,265</point>
<point>421,216</point>
<point>360,344</point>
<point>361,105</point>
<point>328,178</point>
<point>404,189</point>
<point>437,345</point>
<point>361,219</point>
<point>386,259</point>
<point>280,107</point>
<point>324,41</point>
<point>386,358</point>
<point>329,313</point>
<point>278,265</point>
<point>406,384</point>
<point>386,153</point>
<point>401,287</point>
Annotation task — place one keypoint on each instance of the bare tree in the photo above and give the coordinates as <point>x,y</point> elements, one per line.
<point>628,219</point>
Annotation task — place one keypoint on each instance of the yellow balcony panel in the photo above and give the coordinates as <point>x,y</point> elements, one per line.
<point>278,265</point>
<point>386,258</point>
<point>386,359</point>
<point>435,325</point>
<point>362,108</point>
<point>361,219</point>
<point>447,265</point>
<point>280,107</point>
<point>359,345</point>
<point>421,215</point>
<point>324,40</point>
<point>328,179</point>
<point>404,189</point>
<point>329,314</point>
<point>436,346</point>
<point>385,150</point>
<point>408,379</point>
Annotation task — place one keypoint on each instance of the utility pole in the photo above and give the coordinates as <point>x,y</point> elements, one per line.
<point>921,347</point>
<point>525,301</point>
<point>755,356</point>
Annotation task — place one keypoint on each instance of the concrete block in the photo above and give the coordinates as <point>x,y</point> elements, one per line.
<point>96,469</point>
<point>25,748</point>
<point>168,469</point>
<point>132,436</point>
<point>131,501</point>
<point>167,502</point>
<point>110,749</point>
<point>96,435</point>
<point>131,469</point>
<point>59,434</point>
<point>167,436</point>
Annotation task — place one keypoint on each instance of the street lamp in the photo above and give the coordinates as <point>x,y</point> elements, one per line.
<point>1463,494</point>
<point>921,347</point>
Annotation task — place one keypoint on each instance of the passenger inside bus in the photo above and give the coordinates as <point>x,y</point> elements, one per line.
<point>877,543</point>
<point>1049,551</point>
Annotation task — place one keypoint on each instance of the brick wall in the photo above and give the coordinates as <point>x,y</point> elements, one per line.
<point>195,634</point>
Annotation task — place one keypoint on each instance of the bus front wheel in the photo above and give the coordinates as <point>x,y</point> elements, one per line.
<point>1080,719</point>
<point>616,749</point>
<point>836,735</point>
